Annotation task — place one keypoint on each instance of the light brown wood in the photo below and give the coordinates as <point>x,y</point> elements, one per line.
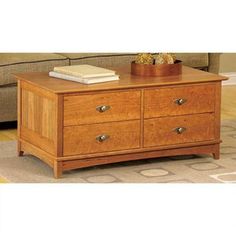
<point>57,169</point>
<point>39,141</point>
<point>59,122</point>
<point>216,152</point>
<point>217,109</point>
<point>83,109</point>
<point>38,118</point>
<point>162,131</point>
<point>127,81</point>
<point>82,139</point>
<point>137,150</point>
<point>19,108</point>
<point>41,92</point>
<point>164,101</point>
<point>38,152</point>
<point>142,118</point>
<point>74,164</point>
<point>228,111</point>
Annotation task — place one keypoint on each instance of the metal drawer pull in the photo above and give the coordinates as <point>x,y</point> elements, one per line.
<point>180,130</point>
<point>102,108</point>
<point>102,137</point>
<point>180,101</point>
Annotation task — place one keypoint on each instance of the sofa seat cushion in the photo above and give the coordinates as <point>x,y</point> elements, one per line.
<point>11,63</point>
<point>196,60</point>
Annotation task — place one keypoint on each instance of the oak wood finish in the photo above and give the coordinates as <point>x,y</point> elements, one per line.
<point>166,101</point>
<point>84,109</point>
<point>82,139</point>
<point>59,121</point>
<point>164,131</point>
<point>38,118</point>
<point>217,110</point>
<point>228,111</point>
<point>127,81</point>
<point>133,151</point>
<point>19,108</point>
<point>34,150</point>
<point>57,168</point>
<point>80,163</point>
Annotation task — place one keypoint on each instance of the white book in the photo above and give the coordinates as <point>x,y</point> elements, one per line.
<point>93,80</point>
<point>85,71</point>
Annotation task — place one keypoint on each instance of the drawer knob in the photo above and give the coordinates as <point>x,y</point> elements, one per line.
<point>102,137</point>
<point>102,108</point>
<point>180,130</point>
<point>180,101</point>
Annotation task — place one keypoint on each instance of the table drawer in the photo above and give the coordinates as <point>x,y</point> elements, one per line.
<point>104,137</point>
<point>104,107</point>
<point>179,129</point>
<point>179,100</point>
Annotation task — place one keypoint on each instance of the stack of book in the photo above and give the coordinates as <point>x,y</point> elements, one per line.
<point>85,74</point>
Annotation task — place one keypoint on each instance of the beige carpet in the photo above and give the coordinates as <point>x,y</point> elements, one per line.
<point>183,169</point>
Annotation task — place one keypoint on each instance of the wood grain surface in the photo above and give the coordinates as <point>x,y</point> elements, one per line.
<point>162,131</point>
<point>38,122</point>
<point>82,139</point>
<point>127,81</point>
<point>163,101</point>
<point>83,109</point>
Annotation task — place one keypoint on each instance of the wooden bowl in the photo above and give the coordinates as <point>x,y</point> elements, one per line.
<point>156,70</point>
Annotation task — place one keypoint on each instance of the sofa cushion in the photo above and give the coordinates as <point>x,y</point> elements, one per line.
<point>197,60</point>
<point>75,56</point>
<point>11,63</point>
<point>214,62</point>
<point>105,61</point>
<point>101,59</point>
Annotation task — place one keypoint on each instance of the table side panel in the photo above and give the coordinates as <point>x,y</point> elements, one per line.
<point>39,118</point>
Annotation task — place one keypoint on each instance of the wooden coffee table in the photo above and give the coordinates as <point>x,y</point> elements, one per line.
<point>70,125</point>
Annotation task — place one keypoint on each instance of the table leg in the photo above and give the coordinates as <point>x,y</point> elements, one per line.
<point>19,150</point>
<point>216,153</point>
<point>57,169</point>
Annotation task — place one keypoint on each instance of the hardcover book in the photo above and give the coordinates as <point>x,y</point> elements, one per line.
<point>84,71</point>
<point>91,80</point>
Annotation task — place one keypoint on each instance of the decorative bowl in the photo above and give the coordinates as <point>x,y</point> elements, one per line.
<point>156,70</point>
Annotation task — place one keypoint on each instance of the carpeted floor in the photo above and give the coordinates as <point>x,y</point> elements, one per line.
<point>183,169</point>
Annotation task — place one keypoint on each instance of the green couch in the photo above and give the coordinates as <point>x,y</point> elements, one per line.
<point>24,62</point>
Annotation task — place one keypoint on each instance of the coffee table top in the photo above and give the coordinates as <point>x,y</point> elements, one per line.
<point>188,76</point>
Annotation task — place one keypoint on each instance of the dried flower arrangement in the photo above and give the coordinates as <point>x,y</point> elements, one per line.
<point>160,58</point>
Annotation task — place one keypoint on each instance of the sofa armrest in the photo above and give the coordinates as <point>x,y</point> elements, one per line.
<point>214,62</point>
